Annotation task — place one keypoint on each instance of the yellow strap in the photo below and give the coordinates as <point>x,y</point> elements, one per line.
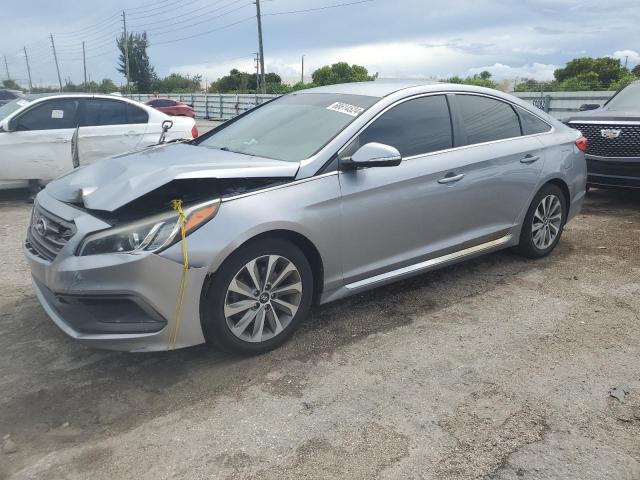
<point>177,205</point>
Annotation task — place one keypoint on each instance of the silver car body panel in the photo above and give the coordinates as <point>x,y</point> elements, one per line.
<point>369,227</point>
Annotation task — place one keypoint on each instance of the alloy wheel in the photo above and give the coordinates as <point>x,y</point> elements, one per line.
<point>547,221</point>
<point>262,298</point>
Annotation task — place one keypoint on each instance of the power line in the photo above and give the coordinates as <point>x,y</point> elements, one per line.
<point>198,11</point>
<point>164,42</point>
<point>306,10</point>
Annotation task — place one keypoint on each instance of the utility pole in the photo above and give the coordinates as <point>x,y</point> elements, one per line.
<point>257,59</point>
<point>6,66</point>
<point>626,60</point>
<point>84,64</point>
<point>263,83</point>
<point>126,48</point>
<point>55,57</point>
<point>26,57</point>
<point>302,76</point>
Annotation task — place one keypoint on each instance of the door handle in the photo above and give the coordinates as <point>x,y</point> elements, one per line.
<point>530,159</point>
<point>453,179</point>
<point>62,140</point>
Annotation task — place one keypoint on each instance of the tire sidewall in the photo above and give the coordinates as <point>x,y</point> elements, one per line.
<point>526,237</point>
<point>214,323</point>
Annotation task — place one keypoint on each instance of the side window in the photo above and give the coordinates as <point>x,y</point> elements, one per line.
<point>4,95</point>
<point>136,114</point>
<point>414,127</point>
<point>486,119</point>
<point>532,124</point>
<point>154,103</point>
<point>102,112</point>
<point>99,112</point>
<point>50,115</point>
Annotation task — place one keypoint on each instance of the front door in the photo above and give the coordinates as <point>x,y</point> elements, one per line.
<point>39,145</point>
<point>389,219</point>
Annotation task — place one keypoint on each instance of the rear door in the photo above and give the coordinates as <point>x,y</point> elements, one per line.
<point>109,127</point>
<point>499,168</point>
<point>39,147</point>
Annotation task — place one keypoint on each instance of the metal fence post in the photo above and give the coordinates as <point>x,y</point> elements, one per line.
<point>547,103</point>
<point>221,107</point>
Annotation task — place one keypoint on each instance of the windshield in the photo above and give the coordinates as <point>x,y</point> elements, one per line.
<point>291,128</point>
<point>8,108</point>
<point>627,99</point>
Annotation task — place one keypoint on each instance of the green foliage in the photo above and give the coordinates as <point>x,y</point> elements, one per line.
<point>340,72</point>
<point>590,73</point>
<point>176,83</point>
<point>243,82</point>
<point>141,73</point>
<point>11,85</point>
<point>481,80</point>
<point>584,74</point>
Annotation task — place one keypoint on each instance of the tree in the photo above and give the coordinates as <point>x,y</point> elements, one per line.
<point>481,80</point>
<point>11,84</point>
<point>243,82</point>
<point>590,73</point>
<point>340,72</point>
<point>176,83</point>
<point>141,73</point>
<point>636,70</point>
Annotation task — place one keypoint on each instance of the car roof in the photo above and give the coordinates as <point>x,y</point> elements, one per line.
<point>385,88</point>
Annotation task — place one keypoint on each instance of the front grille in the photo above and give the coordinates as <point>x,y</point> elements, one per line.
<point>626,145</point>
<point>47,233</point>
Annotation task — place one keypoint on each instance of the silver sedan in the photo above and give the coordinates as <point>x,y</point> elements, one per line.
<point>311,197</point>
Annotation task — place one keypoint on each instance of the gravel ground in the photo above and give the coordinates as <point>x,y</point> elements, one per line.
<point>497,368</point>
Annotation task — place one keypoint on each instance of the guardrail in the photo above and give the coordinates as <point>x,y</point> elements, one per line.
<point>561,104</point>
<point>214,106</point>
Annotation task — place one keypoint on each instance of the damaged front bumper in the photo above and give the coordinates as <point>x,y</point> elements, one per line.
<point>115,301</point>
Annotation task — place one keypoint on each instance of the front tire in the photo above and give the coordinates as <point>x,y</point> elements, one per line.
<point>258,297</point>
<point>544,223</point>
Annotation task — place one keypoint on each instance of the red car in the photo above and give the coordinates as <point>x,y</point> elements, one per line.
<point>171,107</point>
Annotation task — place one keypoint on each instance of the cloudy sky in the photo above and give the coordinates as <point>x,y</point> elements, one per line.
<point>396,38</point>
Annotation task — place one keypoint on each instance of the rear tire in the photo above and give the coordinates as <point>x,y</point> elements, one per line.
<point>258,297</point>
<point>544,223</point>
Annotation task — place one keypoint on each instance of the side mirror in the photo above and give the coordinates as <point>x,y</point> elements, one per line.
<point>373,155</point>
<point>588,106</point>
<point>11,125</point>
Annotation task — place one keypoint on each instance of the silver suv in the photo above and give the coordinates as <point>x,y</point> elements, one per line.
<point>313,196</point>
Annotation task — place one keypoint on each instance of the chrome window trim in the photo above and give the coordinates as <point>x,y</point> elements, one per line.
<point>417,267</point>
<point>607,122</point>
<point>452,149</point>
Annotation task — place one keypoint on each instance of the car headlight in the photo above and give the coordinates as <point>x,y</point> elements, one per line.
<point>151,234</point>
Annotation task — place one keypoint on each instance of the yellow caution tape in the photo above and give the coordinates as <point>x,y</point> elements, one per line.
<point>177,205</point>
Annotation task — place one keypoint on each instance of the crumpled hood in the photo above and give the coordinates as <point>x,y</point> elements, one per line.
<point>113,182</point>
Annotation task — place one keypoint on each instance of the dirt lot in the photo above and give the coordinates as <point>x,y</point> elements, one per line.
<point>497,368</point>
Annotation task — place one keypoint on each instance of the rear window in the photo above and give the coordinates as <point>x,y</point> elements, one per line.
<point>486,119</point>
<point>531,124</point>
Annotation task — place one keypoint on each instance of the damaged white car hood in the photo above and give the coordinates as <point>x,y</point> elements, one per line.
<point>113,182</point>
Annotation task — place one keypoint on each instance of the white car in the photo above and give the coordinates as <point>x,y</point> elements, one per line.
<point>43,138</point>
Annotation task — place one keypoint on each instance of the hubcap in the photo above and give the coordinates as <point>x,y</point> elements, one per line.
<point>263,298</point>
<point>547,220</point>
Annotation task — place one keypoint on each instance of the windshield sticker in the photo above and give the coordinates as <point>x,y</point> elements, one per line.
<point>22,103</point>
<point>345,108</point>
<point>57,113</point>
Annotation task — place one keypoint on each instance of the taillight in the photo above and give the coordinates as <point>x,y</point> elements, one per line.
<point>582,143</point>
<point>194,132</point>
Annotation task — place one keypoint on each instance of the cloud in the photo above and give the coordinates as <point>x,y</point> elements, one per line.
<point>537,71</point>
<point>633,56</point>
